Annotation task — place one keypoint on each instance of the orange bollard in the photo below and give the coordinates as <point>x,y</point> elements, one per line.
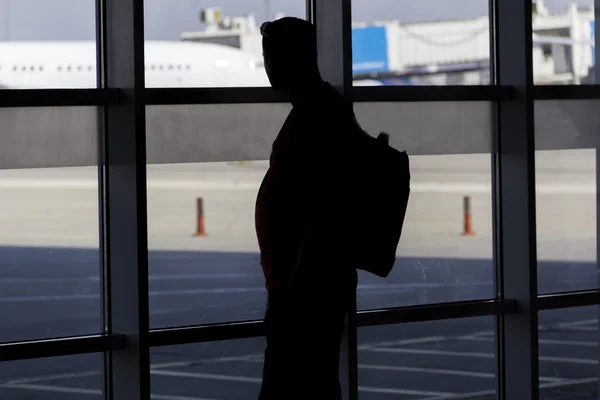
<point>468,229</point>
<point>200,228</point>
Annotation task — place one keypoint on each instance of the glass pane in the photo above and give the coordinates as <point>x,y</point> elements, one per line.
<point>210,44</point>
<point>217,370</point>
<point>568,347</point>
<point>426,128</point>
<point>48,45</point>
<point>439,258</point>
<point>563,42</point>
<point>58,378</point>
<point>216,278</point>
<point>426,43</point>
<point>566,132</point>
<point>428,360</point>
<point>49,244</point>
<point>49,137</point>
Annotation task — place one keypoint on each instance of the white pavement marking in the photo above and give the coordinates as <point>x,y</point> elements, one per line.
<point>427,339</point>
<point>439,371</point>
<point>429,187</point>
<point>395,368</point>
<point>584,328</point>
<point>83,374</point>
<point>553,385</point>
<point>581,322</point>
<point>475,354</point>
<point>371,389</point>
<point>203,375</point>
<point>64,389</point>
<point>487,335</point>
<point>170,277</point>
<point>540,341</point>
<point>42,378</point>
<point>215,360</point>
<point>171,397</point>
<point>236,378</point>
<point>51,388</point>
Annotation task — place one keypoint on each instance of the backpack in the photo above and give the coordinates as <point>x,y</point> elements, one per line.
<point>378,184</point>
<point>382,187</point>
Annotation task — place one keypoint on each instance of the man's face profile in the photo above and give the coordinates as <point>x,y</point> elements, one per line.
<point>270,70</point>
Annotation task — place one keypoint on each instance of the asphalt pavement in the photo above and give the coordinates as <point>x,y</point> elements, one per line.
<point>50,282</point>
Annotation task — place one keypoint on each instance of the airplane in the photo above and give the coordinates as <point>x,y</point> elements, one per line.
<point>72,65</point>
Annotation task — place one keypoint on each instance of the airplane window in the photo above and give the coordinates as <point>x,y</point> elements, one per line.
<point>170,67</point>
<point>68,67</point>
<point>14,67</point>
<point>59,68</point>
<point>41,67</point>
<point>24,68</point>
<point>179,67</point>
<point>188,67</point>
<point>32,68</point>
<point>79,68</point>
<point>160,67</point>
<point>89,67</point>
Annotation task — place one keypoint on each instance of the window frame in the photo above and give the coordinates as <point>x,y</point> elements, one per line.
<point>122,99</point>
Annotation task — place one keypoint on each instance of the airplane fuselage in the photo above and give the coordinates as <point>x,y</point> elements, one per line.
<point>49,65</point>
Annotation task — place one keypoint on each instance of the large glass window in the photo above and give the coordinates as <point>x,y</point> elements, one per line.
<point>565,166</point>
<point>568,347</point>
<point>73,266</point>
<point>218,370</point>
<point>428,360</point>
<point>56,378</point>
<point>49,254</point>
<point>445,253</point>
<point>47,45</point>
<point>424,43</point>
<point>206,163</point>
<point>563,42</point>
<point>209,44</point>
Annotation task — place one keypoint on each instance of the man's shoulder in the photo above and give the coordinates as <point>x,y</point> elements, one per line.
<point>326,107</point>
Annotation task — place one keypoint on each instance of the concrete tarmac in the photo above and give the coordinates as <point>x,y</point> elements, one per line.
<point>50,280</point>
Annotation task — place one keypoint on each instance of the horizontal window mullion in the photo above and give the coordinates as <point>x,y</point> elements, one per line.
<point>60,347</point>
<point>58,97</point>
<point>433,312</point>
<point>571,299</point>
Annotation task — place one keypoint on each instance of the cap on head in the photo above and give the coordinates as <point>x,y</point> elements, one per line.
<point>290,36</point>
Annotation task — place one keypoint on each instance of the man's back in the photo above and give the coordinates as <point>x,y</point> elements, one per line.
<point>300,185</point>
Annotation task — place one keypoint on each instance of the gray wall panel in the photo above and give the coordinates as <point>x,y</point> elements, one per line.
<point>48,137</point>
<point>431,127</point>
<point>566,124</point>
<point>67,136</point>
<point>207,133</point>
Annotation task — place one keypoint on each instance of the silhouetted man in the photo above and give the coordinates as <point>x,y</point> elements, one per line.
<point>301,220</point>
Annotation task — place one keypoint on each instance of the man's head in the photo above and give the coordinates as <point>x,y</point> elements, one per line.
<point>290,52</point>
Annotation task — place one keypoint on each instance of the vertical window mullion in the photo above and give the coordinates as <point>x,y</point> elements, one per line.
<point>124,198</point>
<point>517,333</point>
